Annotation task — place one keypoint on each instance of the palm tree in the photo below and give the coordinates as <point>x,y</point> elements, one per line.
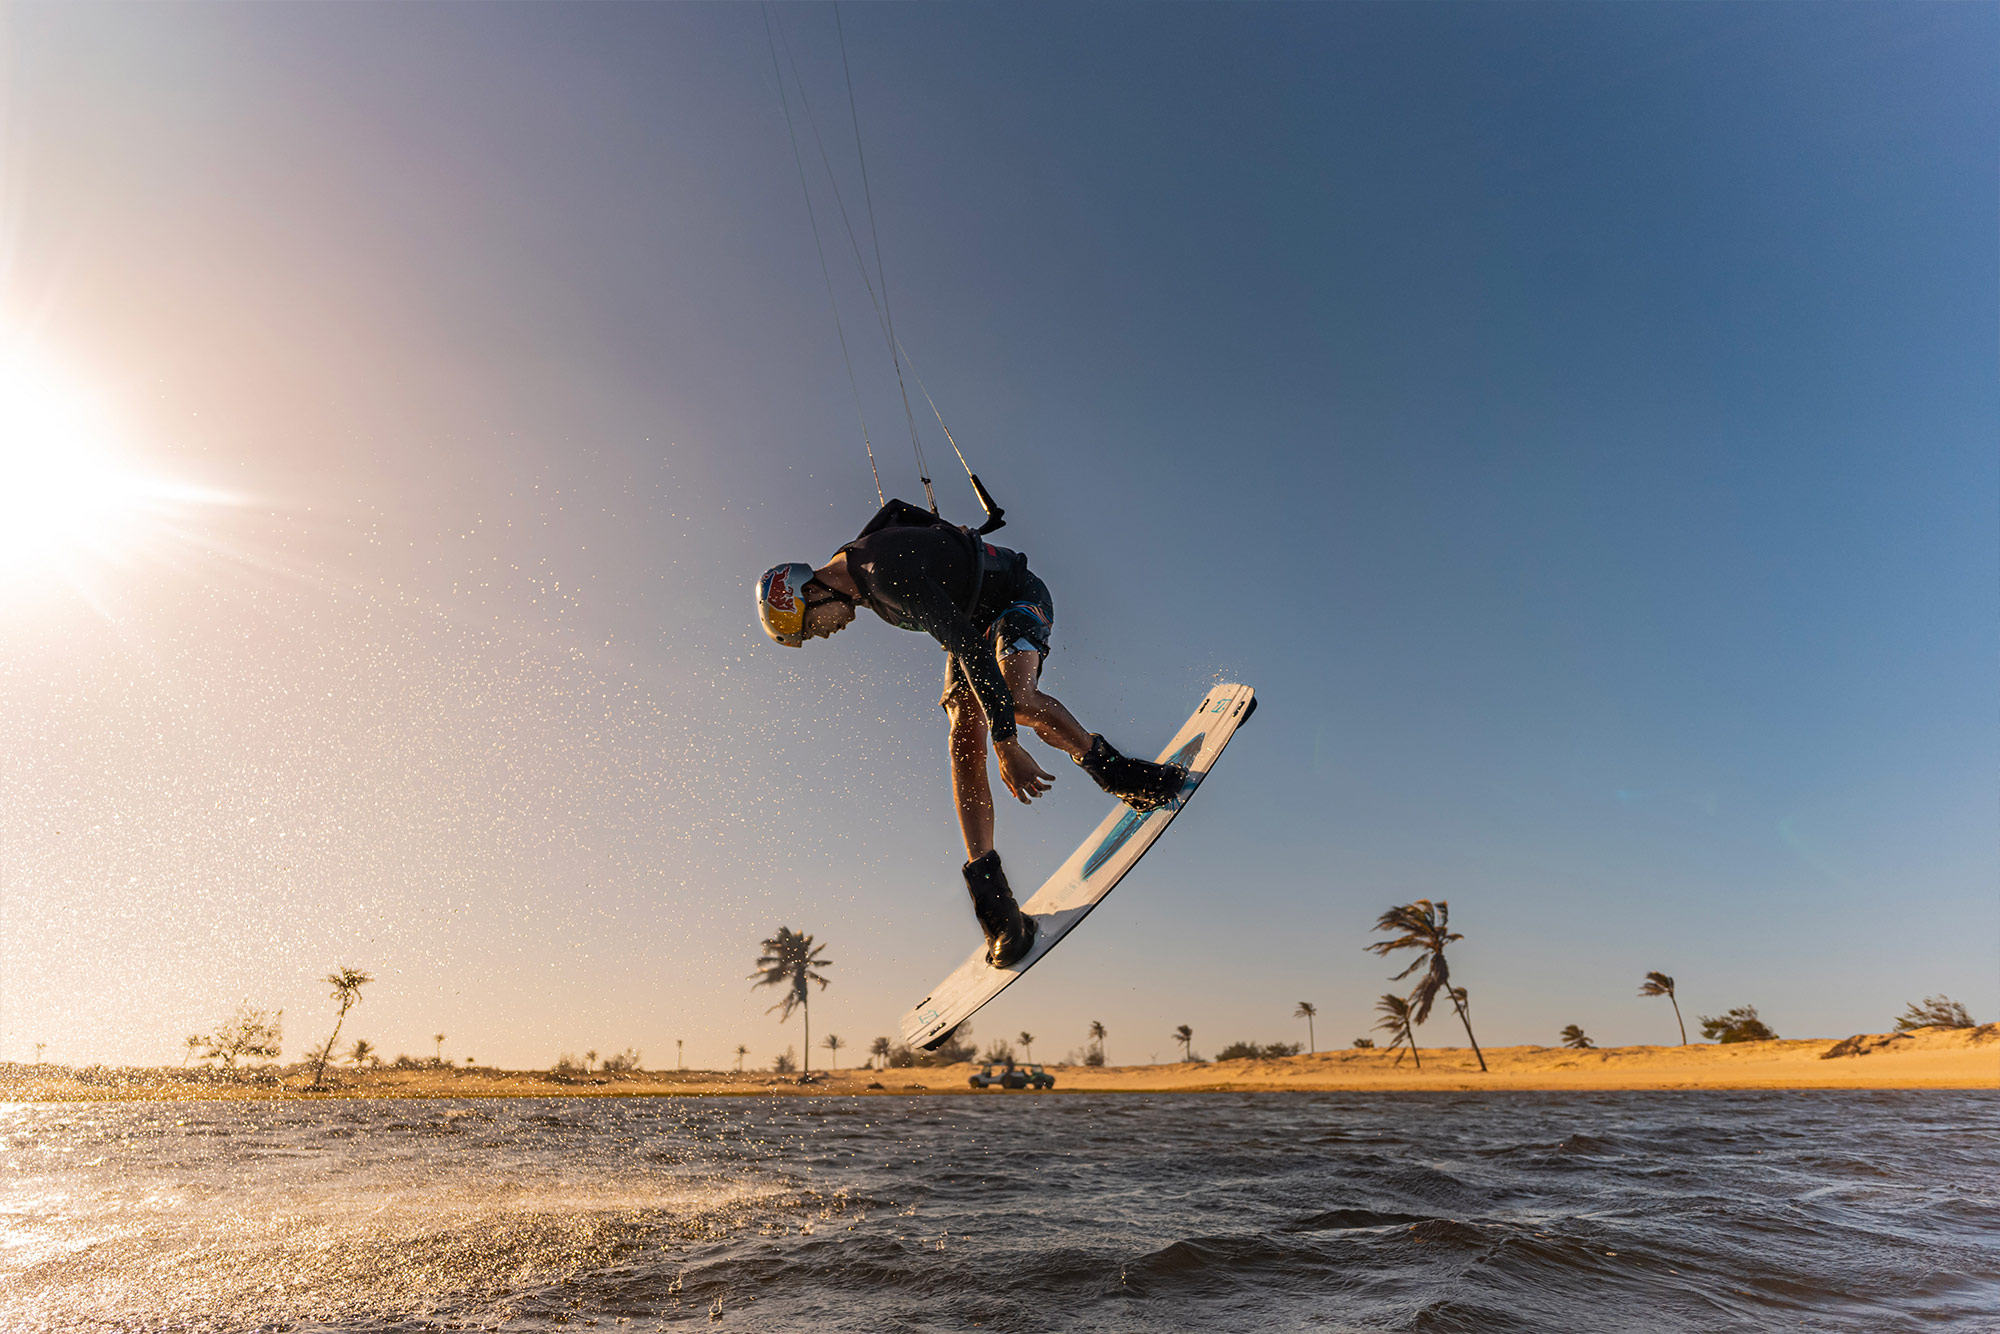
<point>1028,1046</point>
<point>1097,1037</point>
<point>1306,1011</point>
<point>1185,1036</point>
<point>878,1051</point>
<point>589,1059</point>
<point>833,1044</point>
<point>789,961</point>
<point>1423,928</point>
<point>346,984</point>
<point>1395,1021</point>
<point>194,1043</point>
<point>1659,984</point>
<point>363,1053</point>
<point>439,1058</point>
<point>741,1052</point>
<point>1574,1036</point>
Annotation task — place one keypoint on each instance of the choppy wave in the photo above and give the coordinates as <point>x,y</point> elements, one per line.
<point>1825,1211</point>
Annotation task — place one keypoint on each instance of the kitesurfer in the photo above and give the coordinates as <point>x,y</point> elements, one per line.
<point>994,617</point>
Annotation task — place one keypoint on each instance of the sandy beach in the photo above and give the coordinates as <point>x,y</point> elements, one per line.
<point>1927,1058</point>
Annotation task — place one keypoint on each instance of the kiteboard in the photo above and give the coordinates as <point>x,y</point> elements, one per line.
<point>1091,872</point>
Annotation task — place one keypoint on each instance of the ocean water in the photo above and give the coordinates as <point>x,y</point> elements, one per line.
<point>1630,1211</point>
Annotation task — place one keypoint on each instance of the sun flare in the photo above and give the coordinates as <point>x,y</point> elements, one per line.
<point>72,499</point>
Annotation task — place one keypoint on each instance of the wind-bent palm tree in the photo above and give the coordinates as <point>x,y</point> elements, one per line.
<point>193,1042</point>
<point>1028,1046</point>
<point>1395,1021</point>
<point>346,984</point>
<point>879,1050</point>
<point>1306,1011</point>
<point>1659,984</point>
<point>741,1052</point>
<point>1097,1036</point>
<point>790,959</point>
<point>1574,1037</point>
<point>1423,927</point>
<point>833,1044</point>
<point>1185,1036</point>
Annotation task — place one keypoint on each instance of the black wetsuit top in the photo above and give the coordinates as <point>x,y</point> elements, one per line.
<point>918,572</point>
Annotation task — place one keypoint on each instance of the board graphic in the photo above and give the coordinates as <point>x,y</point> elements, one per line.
<point>1091,872</point>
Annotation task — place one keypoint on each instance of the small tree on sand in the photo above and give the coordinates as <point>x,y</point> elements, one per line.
<point>1185,1036</point>
<point>193,1043</point>
<point>346,984</point>
<point>1395,1021</point>
<point>363,1053</point>
<point>833,1044</point>
<point>1096,1053</point>
<point>1574,1036</point>
<point>878,1052</point>
<point>1659,984</point>
<point>1306,1011</point>
<point>1935,1012</point>
<point>438,1057</point>
<point>790,960</point>
<point>1027,1041</point>
<point>1738,1025</point>
<point>250,1033</point>
<point>1423,927</point>
<point>742,1050</point>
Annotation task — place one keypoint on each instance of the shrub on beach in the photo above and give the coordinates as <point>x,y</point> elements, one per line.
<point>955,1050</point>
<point>1250,1051</point>
<point>1935,1012</point>
<point>1738,1025</point>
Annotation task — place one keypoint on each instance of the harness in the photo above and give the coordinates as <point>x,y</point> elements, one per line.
<point>985,556</point>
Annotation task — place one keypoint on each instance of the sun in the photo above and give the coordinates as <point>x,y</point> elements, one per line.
<point>73,500</point>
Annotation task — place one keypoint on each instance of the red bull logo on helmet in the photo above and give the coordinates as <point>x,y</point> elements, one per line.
<point>779,595</point>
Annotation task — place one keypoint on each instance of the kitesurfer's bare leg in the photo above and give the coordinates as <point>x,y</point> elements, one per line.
<point>1043,712</point>
<point>970,787</point>
<point>1141,784</point>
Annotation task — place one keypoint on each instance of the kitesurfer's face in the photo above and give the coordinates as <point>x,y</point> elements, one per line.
<point>826,619</point>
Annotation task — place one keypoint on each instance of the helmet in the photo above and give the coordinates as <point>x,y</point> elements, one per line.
<point>781,602</point>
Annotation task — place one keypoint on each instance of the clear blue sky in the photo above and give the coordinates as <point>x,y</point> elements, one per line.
<point>1577,421</point>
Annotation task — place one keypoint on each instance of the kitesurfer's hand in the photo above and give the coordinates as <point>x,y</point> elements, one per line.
<point>1018,770</point>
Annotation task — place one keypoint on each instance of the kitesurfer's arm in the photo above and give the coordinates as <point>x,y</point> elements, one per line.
<point>975,659</point>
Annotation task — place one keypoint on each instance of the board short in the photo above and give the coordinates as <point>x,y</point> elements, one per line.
<point>1022,627</point>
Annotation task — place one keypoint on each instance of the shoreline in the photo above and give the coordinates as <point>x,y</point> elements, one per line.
<point>1922,1059</point>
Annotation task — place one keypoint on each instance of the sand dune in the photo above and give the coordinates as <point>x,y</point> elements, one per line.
<point>1927,1058</point>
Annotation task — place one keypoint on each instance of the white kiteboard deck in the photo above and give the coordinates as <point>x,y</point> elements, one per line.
<point>1091,872</point>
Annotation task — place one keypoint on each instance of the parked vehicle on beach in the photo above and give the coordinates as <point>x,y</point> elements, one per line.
<point>1012,1077</point>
